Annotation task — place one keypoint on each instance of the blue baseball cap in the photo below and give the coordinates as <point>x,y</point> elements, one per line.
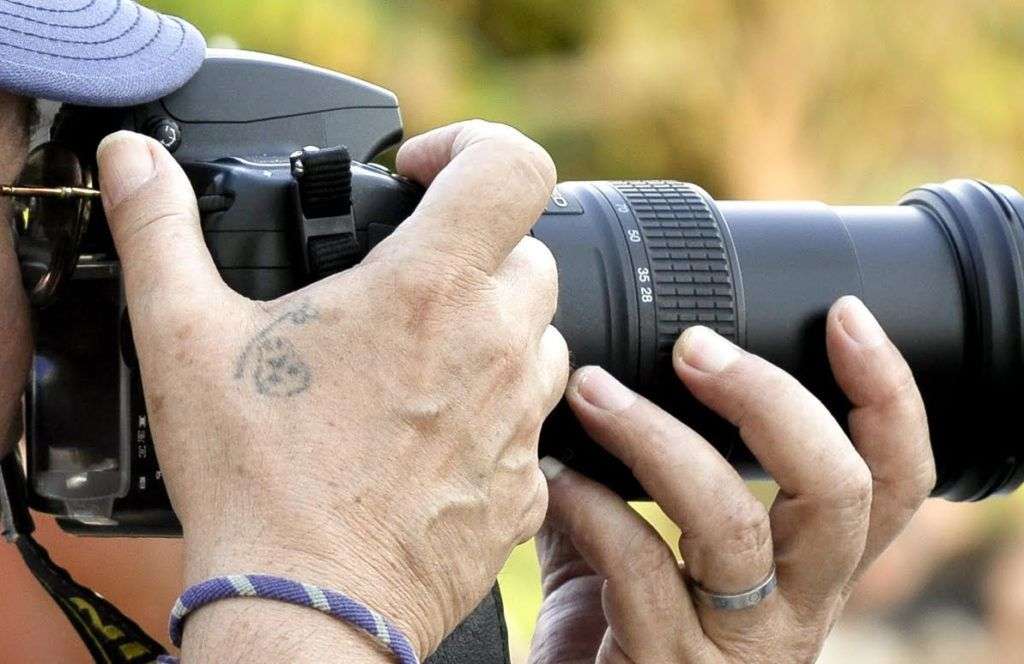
<point>94,52</point>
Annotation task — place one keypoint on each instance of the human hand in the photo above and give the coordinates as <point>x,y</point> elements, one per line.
<point>613,590</point>
<point>375,432</point>
<point>16,347</point>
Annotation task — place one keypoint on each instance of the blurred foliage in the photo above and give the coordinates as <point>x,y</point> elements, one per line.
<point>842,101</point>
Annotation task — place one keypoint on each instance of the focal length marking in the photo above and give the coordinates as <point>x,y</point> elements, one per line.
<point>643,276</point>
<point>690,266</point>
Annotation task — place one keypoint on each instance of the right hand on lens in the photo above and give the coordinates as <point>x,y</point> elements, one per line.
<point>614,592</point>
<point>377,431</point>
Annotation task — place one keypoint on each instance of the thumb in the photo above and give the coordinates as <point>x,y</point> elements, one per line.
<point>152,213</point>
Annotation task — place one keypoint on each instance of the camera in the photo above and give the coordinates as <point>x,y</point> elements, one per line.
<point>279,154</point>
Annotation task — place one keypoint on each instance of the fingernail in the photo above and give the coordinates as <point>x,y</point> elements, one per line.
<point>601,390</point>
<point>704,350</point>
<point>858,322</point>
<point>551,467</point>
<point>125,165</point>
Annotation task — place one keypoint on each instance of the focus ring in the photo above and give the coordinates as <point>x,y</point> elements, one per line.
<point>690,269</point>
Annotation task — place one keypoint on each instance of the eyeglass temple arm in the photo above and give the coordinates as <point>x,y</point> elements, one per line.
<point>48,192</point>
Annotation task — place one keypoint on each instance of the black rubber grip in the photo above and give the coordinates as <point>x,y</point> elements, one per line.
<point>690,270</point>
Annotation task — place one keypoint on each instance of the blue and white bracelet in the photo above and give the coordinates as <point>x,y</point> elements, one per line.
<point>331,602</point>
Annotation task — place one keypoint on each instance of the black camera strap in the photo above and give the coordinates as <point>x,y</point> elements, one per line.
<point>110,636</point>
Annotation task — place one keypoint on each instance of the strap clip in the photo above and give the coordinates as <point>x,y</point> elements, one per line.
<point>323,206</point>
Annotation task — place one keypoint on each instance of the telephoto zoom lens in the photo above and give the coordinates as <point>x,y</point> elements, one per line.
<point>639,262</point>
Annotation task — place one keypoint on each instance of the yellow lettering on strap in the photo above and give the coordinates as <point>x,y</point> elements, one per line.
<point>133,650</point>
<point>111,632</point>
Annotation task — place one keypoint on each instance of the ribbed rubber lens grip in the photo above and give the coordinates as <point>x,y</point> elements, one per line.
<point>691,271</point>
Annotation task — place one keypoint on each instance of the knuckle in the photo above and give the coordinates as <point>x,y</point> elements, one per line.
<point>907,411</point>
<point>526,161</point>
<point>552,372</point>
<point>912,490</point>
<point>489,134</point>
<point>542,279</point>
<point>558,354</point>
<point>902,403</point>
<point>539,259</point>
<point>537,506</point>
<point>852,493</point>
<point>644,553</point>
<point>478,128</point>
<point>536,165</point>
<point>745,527</point>
<point>900,388</point>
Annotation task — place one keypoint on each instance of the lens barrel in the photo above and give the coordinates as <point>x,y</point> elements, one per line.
<point>639,262</point>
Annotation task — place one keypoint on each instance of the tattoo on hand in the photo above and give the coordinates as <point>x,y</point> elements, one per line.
<point>272,360</point>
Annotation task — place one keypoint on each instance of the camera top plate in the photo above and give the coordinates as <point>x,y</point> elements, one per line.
<point>241,99</point>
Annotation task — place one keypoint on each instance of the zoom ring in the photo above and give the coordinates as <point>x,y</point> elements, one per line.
<point>690,270</point>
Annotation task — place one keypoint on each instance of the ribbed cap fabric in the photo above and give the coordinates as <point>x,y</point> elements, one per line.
<point>94,52</point>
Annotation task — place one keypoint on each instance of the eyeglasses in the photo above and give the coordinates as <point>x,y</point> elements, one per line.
<point>53,201</point>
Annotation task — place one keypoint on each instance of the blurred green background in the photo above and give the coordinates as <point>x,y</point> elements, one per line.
<point>841,101</point>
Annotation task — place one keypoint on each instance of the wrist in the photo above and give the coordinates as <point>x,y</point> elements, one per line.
<point>330,565</point>
<point>255,629</point>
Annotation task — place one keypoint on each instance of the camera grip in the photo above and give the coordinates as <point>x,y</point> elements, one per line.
<point>482,638</point>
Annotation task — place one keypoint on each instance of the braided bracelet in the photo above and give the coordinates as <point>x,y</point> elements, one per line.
<point>331,602</point>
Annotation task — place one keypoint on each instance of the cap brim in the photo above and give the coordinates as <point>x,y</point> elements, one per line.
<point>94,52</point>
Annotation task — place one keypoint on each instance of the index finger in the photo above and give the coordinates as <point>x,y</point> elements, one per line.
<point>487,186</point>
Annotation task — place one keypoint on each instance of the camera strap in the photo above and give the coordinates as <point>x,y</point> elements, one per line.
<point>110,636</point>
